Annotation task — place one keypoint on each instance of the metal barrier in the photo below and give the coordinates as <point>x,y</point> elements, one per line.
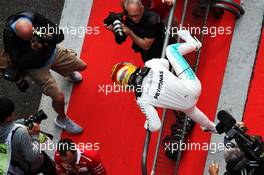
<point>148,135</point>
<point>145,153</point>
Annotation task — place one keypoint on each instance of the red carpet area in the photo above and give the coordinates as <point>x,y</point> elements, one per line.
<point>115,121</point>
<point>253,116</point>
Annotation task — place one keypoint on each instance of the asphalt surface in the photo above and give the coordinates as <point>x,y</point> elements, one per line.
<point>26,103</point>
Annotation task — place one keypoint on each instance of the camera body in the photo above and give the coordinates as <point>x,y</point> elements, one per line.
<point>43,43</point>
<point>116,19</point>
<point>12,74</point>
<point>42,38</point>
<point>36,118</point>
<point>252,146</point>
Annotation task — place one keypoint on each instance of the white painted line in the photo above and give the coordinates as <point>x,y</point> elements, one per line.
<point>75,14</point>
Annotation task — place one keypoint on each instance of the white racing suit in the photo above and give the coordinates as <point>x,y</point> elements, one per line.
<point>161,88</point>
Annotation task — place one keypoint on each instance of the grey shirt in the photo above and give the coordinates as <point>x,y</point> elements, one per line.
<point>23,152</point>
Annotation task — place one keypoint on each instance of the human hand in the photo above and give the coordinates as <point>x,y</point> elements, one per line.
<point>214,168</point>
<point>36,46</point>
<point>146,124</point>
<point>109,27</point>
<point>35,129</point>
<point>242,125</point>
<point>126,30</point>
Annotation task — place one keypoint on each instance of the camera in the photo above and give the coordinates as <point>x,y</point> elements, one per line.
<point>252,146</point>
<point>36,118</point>
<point>12,74</point>
<point>116,20</point>
<point>42,38</point>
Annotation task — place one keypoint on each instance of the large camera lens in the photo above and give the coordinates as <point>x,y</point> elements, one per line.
<point>120,35</point>
<point>41,115</point>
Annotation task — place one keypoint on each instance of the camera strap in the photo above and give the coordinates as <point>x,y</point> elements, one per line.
<point>137,78</point>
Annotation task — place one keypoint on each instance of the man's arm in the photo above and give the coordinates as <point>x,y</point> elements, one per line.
<point>153,122</point>
<point>11,46</point>
<point>23,141</point>
<point>21,59</point>
<point>144,43</point>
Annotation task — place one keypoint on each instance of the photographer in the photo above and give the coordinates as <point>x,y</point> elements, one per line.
<point>246,154</point>
<point>145,29</point>
<point>238,163</point>
<point>17,147</point>
<point>31,49</point>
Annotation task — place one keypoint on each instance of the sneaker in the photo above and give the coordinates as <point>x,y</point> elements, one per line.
<point>186,36</point>
<point>75,77</point>
<point>68,125</point>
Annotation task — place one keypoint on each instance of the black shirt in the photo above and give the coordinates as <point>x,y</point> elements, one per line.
<point>21,54</point>
<point>150,26</point>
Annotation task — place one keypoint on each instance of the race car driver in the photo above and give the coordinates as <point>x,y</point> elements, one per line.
<point>156,86</point>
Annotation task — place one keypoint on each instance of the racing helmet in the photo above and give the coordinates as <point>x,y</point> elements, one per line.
<point>121,72</point>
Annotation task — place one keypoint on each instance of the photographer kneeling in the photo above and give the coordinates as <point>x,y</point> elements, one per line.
<point>18,154</point>
<point>144,27</point>
<point>31,49</point>
<point>246,154</point>
<point>238,163</point>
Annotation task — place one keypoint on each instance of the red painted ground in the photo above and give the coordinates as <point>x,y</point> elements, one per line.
<point>253,116</point>
<point>114,120</point>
